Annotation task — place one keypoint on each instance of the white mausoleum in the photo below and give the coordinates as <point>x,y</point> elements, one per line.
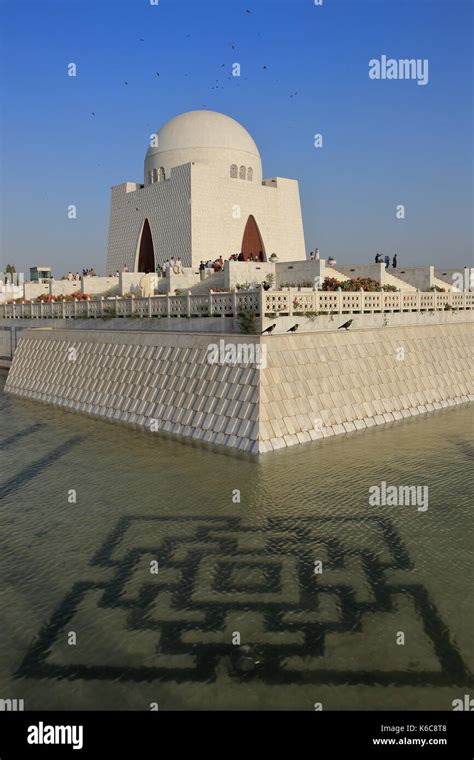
<point>203,196</point>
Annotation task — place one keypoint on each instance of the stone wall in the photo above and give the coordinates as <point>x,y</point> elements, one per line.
<point>462,277</point>
<point>162,382</point>
<point>241,272</point>
<point>221,207</point>
<point>323,384</point>
<point>299,272</point>
<point>100,285</point>
<point>309,386</point>
<point>34,290</point>
<point>363,321</point>
<point>376,271</point>
<point>420,277</point>
<point>89,285</point>
<point>11,330</point>
<point>167,208</point>
<point>6,340</point>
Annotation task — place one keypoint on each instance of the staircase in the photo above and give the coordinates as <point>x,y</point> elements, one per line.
<point>331,272</point>
<point>212,282</point>
<point>390,279</point>
<point>447,286</point>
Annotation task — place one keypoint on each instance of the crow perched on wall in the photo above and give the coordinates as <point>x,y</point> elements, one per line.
<point>346,325</point>
<point>269,330</point>
<point>294,328</point>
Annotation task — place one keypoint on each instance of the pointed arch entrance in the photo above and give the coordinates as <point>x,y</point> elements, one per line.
<point>252,243</point>
<point>146,252</point>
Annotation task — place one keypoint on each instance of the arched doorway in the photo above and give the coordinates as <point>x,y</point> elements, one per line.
<point>146,252</point>
<point>252,243</point>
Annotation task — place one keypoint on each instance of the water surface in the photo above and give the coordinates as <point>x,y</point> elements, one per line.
<point>80,565</point>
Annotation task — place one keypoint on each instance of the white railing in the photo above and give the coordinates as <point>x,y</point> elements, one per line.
<point>260,302</point>
<point>362,302</point>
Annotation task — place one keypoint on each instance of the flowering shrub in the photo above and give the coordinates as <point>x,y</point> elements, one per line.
<point>47,298</point>
<point>360,283</point>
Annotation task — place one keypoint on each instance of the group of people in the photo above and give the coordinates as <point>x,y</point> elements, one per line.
<point>172,264</point>
<point>73,276</point>
<point>217,266</point>
<point>314,255</point>
<point>251,257</point>
<point>379,259</point>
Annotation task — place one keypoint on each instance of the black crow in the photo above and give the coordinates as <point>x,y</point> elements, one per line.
<point>294,328</point>
<point>269,330</point>
<point>346,325</point>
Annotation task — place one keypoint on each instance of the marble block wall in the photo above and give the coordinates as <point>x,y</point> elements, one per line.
<point>162,381</point>
<point>308,387</point>
<point>327,383</point>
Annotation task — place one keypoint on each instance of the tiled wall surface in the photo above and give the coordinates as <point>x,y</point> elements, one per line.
<point>323,384</point>
<point>166,205</point>
<point>197,215</point>
<point>161,381</point>
<point>310,386</point>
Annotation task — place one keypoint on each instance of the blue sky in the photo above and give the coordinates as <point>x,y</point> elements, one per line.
<point>384,142</point>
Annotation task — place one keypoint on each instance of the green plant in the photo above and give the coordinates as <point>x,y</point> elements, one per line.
<point>270,279</point>
<point>108,313</point>
<point>302,284</point>
<point>247,322</point>
<point>247,286</point>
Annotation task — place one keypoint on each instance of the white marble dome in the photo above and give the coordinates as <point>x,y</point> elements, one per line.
<point>204,137</point>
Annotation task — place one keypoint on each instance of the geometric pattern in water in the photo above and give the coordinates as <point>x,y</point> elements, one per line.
<point>218,576</point>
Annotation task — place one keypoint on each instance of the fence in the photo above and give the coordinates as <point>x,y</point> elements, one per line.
<point>262,303</point>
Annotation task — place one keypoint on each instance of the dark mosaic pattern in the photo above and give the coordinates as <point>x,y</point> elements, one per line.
<point>215,567</point>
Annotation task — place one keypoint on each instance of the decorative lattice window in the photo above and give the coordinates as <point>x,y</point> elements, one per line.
<point>162,175</point>
<point>233,171</point>
<point>149,178</point>
<point>250,174</point>
<point>242,172</point>
<point>154,175</point>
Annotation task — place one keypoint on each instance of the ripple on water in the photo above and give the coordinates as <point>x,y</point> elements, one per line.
<point>227,568</point>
